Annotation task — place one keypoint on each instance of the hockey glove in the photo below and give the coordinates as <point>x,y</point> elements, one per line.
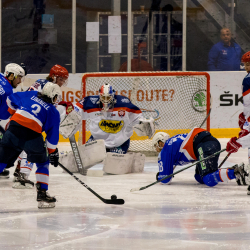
<point>54,158</point>
<point>242,120</point>
<point>232,145</point>
<point>69,106</point>
<point>243,133</point>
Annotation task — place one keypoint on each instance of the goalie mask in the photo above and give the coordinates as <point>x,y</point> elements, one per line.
<point>106,94</point>
<point>159,137</point>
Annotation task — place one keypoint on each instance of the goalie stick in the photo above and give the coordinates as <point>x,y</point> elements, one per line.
<point>77,156</point>
<point>168,176</point>
<point>106,201</point>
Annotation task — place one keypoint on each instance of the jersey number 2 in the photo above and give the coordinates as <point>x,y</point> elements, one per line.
<point>36,109</point>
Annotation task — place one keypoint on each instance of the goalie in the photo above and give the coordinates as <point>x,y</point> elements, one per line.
<point>113,118</point>
<point>182,149</point>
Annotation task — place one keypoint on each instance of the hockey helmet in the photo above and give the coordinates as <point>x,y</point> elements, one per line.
<point>51,90</point>
<point>106,94</point>
<point>246,57</point>
<point>59,71</point>
<point>13,68</point>
<point>160,136</point>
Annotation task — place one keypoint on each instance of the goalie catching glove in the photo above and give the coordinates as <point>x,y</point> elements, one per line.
<point>54,158</point>
<point>68,105</point>
<point>146,127</point>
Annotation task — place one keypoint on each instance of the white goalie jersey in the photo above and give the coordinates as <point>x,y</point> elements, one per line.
<point>114,127</point>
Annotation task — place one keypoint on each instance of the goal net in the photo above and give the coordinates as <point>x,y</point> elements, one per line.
<point>178,101</point>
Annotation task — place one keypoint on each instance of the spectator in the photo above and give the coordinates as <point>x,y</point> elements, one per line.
<point>224,55</point>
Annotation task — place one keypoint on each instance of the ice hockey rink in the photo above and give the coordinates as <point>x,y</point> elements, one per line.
<point>183,215</point>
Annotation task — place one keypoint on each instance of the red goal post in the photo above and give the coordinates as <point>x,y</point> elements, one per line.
<point>178,101</point>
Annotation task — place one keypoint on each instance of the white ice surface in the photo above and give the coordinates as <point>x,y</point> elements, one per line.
<point>183,215</point>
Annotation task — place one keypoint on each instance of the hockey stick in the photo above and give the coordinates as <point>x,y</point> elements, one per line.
<point>206,118</point>
<point>168,176</point>
<point>77,156</point>
<point>113,201</point>
<point>224,160</point>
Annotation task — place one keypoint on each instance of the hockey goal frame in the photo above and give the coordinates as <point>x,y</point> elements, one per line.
<point>143,74</point>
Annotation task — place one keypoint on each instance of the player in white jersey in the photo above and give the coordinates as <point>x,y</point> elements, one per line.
<point>58,75</point>
<point>182,149</point>
<point>113,119</point>
<point>243,139</point>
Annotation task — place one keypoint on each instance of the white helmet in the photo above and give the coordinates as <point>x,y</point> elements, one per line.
<point>160,136</point>
<point>13,68</point>
<point>106,93</point>
<point>51,90</point>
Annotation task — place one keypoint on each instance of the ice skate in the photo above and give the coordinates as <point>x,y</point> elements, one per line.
<point>241,173</point>
<point>5,174</point>
<point>22,182</point>
<point>44,199</point>
<point>17,171</point>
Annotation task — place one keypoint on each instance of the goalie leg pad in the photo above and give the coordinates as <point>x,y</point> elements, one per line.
<point>68,160</point>
<point>138,163</point>
<point>92,153</point>
<point>118,163</point>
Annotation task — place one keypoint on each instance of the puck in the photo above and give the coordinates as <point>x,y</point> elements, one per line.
<point>113,197</point>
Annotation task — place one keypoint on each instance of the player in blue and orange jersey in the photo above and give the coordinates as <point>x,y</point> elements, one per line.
<point>182,149</point>
<point>32,113</point>
<point>13,75</point>
<point>58,75</point>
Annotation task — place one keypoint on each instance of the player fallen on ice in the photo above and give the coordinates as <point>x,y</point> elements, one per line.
<point>58,75</point>
<point>182,149</point>
<point>32,113</point>
<point>13,75</point>
<point>113,119</point>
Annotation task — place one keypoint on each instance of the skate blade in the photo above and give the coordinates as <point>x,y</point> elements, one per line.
<point>18,185</point>
<point>43,204</point>
<point>4,177</point>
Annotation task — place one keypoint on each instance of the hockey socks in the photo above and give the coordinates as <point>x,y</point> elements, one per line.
<point>221,175</point>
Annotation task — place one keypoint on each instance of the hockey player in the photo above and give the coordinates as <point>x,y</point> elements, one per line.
<point>13,75</point>
<point>32,113</point>
<point>243,139</point>
<point>196,145</point>
<point>58,75</point>
<point>113,118</point>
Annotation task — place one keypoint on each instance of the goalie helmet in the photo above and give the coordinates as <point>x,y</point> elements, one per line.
<point>59,71</point>
<point>13,68</point>
<point>160,136</point>
<point>246,57</point>
<point>106,94</point>
<point>51,90</point>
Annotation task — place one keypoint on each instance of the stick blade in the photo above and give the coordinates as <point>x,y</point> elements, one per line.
<point>134,189</point>
<point>114,202</point>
